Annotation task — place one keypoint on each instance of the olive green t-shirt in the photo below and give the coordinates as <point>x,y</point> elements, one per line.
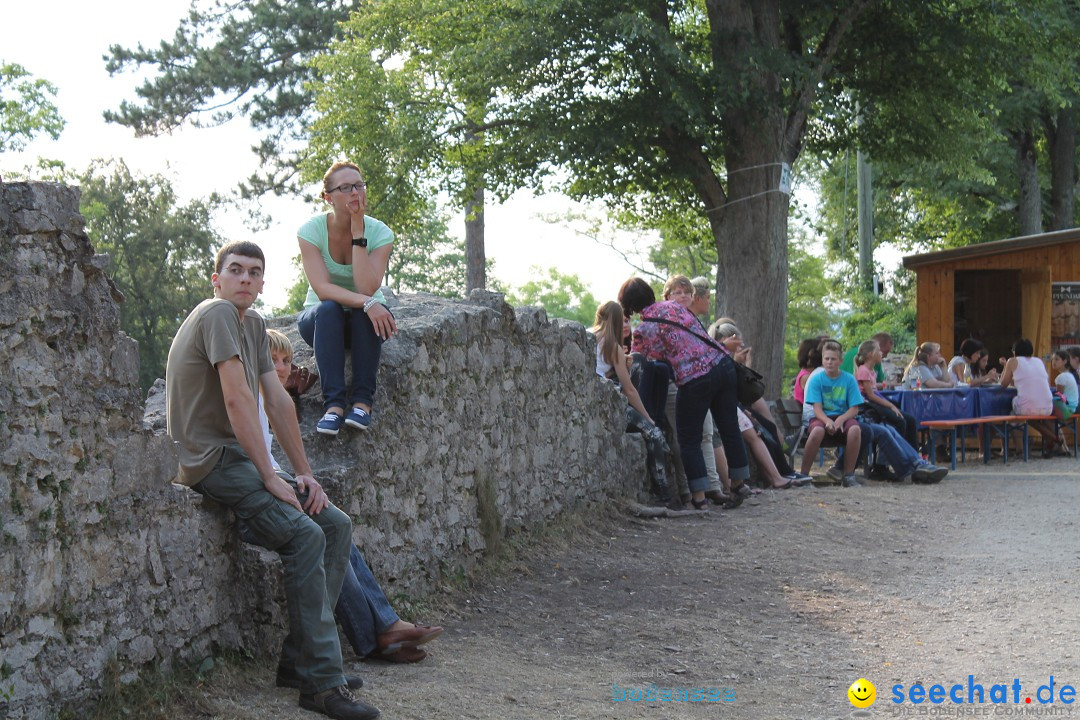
<point>194,403</point>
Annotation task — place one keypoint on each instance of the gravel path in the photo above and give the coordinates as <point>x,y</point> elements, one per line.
<point>778,606</point>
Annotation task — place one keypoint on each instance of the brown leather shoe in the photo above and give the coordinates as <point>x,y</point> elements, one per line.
<point>395,640</point>
<point>300,380</point>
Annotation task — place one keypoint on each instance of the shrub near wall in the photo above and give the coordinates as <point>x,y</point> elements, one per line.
<point>487,420</point>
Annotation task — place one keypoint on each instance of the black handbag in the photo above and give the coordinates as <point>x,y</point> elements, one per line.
<point>749,383</point>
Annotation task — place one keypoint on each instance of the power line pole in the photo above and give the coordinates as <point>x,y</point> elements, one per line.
<point>865,197</point>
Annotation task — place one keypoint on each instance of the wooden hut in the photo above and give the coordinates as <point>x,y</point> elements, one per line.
<point>1000,291</point>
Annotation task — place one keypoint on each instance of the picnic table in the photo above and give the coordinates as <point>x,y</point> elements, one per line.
<point>952,403</point>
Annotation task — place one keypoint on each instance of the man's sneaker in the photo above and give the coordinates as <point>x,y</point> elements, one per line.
<point>850,481</point>
<point>927,474</point>
<point>835,473</point>
<point>330,423</point>
<point>358,418</point>
<point>799,480</point>
<point>338,703</point>
<point>287,677</point>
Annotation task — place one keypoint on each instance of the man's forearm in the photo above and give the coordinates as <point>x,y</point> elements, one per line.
<point>282,415</point>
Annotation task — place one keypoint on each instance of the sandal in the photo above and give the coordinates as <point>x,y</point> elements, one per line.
<point>737,495</point>
<point>702,504</point>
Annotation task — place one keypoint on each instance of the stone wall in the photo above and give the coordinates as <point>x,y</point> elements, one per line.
<point>488,420</point>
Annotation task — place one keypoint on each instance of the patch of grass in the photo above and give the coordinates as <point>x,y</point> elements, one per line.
<point>184,692</point>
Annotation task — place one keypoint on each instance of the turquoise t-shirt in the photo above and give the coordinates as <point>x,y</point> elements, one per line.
<point>836,395</point>
<point>314,231</point>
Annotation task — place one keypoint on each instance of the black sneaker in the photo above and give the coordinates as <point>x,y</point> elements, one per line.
<point>928,474</point>
<point>287,677</point>
<point>338,703</point>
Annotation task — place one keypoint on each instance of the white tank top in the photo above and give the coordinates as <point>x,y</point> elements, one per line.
<point>602,366</point>
<point>1032,387</point>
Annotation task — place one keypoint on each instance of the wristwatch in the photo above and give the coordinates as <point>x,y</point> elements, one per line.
<point>359,242</point>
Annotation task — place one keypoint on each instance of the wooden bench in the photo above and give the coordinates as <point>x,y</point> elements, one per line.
<point>1001,424</point>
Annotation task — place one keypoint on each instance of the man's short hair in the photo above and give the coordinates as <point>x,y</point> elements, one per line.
<point>244,248</point>
<point>882,337</point>
<point>701,286</point>
<point>831,345</point>
<point>279,343</point>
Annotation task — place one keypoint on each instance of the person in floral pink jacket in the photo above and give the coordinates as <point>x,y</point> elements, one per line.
<point>705,376</point>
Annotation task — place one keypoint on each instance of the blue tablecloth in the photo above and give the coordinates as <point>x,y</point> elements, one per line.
<point>952,403</point>
<point>995,400</point>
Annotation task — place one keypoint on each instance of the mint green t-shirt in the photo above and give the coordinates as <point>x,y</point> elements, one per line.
<point>315,232</point>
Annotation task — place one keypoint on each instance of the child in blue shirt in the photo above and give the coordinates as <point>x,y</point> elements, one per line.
<point>835,397</point>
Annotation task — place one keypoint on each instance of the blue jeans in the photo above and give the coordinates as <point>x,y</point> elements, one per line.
<point>715,391</point>
<point>362,609</point>
<point>314,554</point>
<point>897,452</point>
<point>330,329</point>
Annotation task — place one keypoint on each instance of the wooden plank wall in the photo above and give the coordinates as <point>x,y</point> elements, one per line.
<point>935,288</point>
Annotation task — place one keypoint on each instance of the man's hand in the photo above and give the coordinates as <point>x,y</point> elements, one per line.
<point>383,320</point>
<point>282,491</point>
<point>317,500</point>
<point>897,411</point>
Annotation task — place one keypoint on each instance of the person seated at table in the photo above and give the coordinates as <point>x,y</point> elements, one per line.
<point>835,398</point>
<point>1033,397</point>
<point>927,369</point>
<point>867,356</point>
<point>1067,381</point>
<point>982,368</point>
<point>1074,357</point>
<point>962,367</point>
<point>885,344</point>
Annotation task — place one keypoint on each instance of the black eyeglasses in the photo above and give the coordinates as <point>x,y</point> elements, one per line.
<point>349,187</point>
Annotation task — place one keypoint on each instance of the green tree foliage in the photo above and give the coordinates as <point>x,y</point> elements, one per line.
<point>946,171</point>
<point>562,295</point>
<point>693,105</point>
<point>26,108</point>
<point>419,120</point>
<point>236,58</point>
<point>161,254</point>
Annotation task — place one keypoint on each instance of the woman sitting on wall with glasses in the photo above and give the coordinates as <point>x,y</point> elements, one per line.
<point>345,253</point>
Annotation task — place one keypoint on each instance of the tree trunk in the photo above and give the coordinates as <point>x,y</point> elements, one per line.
<point>750,226</point>
<point>475,262</point>
<point>751,245</point>
<point>1062,144</point>
<point>1029,208</point>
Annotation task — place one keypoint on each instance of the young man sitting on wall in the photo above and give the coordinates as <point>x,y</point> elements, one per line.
<point>217,362</point>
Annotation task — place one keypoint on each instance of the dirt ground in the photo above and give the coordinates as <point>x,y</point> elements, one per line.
<point>780,605</point>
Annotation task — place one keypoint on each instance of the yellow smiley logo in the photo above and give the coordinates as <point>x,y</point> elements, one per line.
<point>862,693</point>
